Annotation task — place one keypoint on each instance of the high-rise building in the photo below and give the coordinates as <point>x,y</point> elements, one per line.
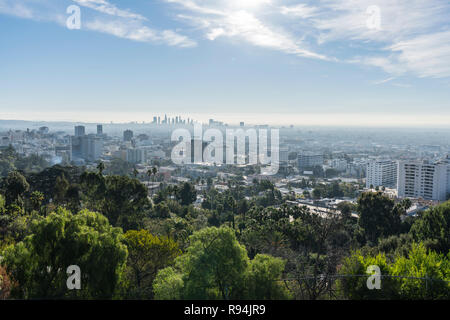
<point>242,124</point>
<point>127,135</point>
<point>309,160</point>
<point>381,173</point>
<point>136,155</point>
<point>87,147</point>
<point>79,131</point>
<point>422,180</point>
<point>284,156</point>
<point>99,129</point>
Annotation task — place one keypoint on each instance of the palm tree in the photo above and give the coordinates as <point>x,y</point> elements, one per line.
<point>154,171</point>
<point>100,167</point>
<point>135,172</point>
<point>149,174</point>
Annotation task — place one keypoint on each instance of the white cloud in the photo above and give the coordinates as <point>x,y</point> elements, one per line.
<point>384,81</point>
<point>105,18</point>
<point>15,9</point>
<point>414,35</point>
<point>425,55</point>
<point>104,6</point>
<point>238,19</point>
<point>301,10</point>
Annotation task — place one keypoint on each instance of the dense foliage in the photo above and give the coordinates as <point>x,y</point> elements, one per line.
<point>240,242</point>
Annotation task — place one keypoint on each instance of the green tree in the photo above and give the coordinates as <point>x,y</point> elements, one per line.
<point>186,194</point>
<point>15,186</point>
<point>61,187</point>
<point>376,216</point>
<point>2,205</point>
<point>100,167</point>
<point>433,227</point>
<point>420,274</point>
<point>38,265</point>
<point>216,266</point>
<point>147,254</point>
<point>73,198</point>
<point>168,284</point>
<point>123,200</point>
<point>353,285</point>
<point>263,278</point>
<point>212,267</point>
<point>422,263</point>
<point>36,199</point>
<point>161,210</point>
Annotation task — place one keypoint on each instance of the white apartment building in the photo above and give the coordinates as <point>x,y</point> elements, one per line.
<point>422,180</point>
<point>381,173</point>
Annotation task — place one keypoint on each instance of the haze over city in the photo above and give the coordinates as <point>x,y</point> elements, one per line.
<point>268,61</point>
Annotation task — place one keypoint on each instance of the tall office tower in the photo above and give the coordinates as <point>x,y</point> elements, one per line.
<point>75,145</point>
<point>165,119</point>
<point>284,156</point>
<point>92,147</point>
<point>242,124</point>
<point>127,135</point>
<point>155,119</point>
<point>309,160</point>
<point>79,131</point>
<point>87,147</point>
<point>159,120</point>
<point>99,129</point>
<point>422,180</point>
<point>381,173</point>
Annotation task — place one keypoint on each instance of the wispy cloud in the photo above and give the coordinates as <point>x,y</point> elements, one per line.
<point>104,6</point>
<point>414,35</point>
<point>15,9</point>
<point>239,20</point>
<point>300,10</point>
<point>383,81</point>
<point>105,17</point>
<point>413,38</point>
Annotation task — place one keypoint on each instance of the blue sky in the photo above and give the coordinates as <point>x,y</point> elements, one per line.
<point>264,60</point>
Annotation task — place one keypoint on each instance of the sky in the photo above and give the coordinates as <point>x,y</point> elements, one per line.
<point>322,62</point>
